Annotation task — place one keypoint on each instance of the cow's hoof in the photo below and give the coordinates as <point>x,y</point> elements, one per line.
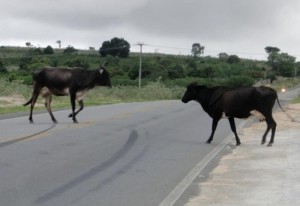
<point>238,143</point>
<point>270,144</point>
<point>208,141</point>
<point>70,115</point>
<point>263,142</point>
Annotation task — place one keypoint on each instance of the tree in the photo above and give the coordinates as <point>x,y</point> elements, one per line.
<point>233,59</point>
<point>105,49</point>
<point>70,50</point>
<point>115,47</point>
<point>270,49</point>
<point>28,44</point>
<point>281,63</point>
<point>48,50</point>
<point>197,49</point>
<point>59,43</point>
<point>223,56</point>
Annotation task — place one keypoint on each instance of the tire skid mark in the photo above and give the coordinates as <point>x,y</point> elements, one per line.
<point>10,142</point>
<point>92,172</point>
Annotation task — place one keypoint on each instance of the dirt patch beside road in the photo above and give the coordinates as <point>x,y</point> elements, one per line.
<point>12,100</point>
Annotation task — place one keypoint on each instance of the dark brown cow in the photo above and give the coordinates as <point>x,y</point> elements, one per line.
<point>235,103</point>
<point>66,81</point>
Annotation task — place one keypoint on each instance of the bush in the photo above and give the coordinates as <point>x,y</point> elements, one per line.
<point>24,62</point>
<point>237,81</point>
<point>37,63</point>
<point>2,67</point>
<point>77,63</point>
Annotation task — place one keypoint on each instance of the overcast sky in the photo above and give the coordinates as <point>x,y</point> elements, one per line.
<point>242,27</point>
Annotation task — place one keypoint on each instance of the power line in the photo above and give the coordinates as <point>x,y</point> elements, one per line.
<point>212,51</point>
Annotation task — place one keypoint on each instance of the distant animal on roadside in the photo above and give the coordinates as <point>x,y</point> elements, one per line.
<point>65,81</point>
<point>232,103</point>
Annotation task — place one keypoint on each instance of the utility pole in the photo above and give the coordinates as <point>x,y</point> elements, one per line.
<point>140,69</point>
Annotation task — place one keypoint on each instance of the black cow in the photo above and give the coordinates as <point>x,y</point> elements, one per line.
<point>66,81</point>
<point>234,102</point>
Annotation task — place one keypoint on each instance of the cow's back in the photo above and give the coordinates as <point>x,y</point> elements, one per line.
<point>54,77</point>
<point>238,102</point>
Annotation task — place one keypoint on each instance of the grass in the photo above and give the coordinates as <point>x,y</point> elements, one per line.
<point>102,95</point>
<point>97,96</point>
<point>296,100</point>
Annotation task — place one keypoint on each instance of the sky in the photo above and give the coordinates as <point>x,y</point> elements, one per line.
<point>236,27</point>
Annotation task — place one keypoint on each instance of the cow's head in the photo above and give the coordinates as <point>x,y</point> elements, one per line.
<point>104,77</point>
<point>191,92</point>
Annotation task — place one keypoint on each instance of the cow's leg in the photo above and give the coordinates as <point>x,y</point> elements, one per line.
<point>233,128</point>
<point>263,140</point>
<point>213,129</point>
<point>35,95</point>
<point>48,107</point>
<point>271,124</point>
<point>73,97</point>
<point>80,108</point>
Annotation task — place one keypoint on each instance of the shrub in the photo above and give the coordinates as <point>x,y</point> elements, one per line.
<point>236,81</point>
<point>77,63</point>
<point>2,67</point>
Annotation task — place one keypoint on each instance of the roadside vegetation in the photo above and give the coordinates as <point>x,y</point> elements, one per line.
<point>163,76</point>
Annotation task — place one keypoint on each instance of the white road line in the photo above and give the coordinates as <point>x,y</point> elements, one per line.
<point>187,180</point>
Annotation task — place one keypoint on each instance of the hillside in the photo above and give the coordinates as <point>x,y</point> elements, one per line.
<point>169,69</point>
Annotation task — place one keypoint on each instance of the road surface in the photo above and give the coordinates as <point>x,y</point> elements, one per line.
<point>124,154</point>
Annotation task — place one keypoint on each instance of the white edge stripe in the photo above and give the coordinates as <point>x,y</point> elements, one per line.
<point>187,180</point>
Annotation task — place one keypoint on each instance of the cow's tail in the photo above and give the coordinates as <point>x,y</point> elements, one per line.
<point>29,102</point>
<point>287,114</point>
<point>34,75</point>
<point>279,103</point>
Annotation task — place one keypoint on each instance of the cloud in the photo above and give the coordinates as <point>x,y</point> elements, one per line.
<point>220,25</point>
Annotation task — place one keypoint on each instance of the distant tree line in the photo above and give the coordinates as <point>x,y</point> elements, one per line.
<point>124,68</point>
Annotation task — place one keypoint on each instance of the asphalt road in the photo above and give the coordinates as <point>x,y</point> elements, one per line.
<point>124,154</point>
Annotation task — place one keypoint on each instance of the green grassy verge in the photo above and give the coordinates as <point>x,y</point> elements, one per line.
<point>101,95</point>
<point>97,96</point>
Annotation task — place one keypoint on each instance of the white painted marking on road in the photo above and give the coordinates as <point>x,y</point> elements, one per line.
<point>187,180</point>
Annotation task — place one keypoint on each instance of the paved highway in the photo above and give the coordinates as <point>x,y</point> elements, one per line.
<point>124,154</point>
